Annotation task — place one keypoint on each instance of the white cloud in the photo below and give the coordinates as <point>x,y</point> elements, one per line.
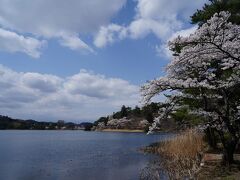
<point>98,86</point>
<point>68,21</point>
<point>184,32</point>
<point>159,17</point>
<point>142,27</point>
<point>47,18</point>
<point>83,96</point>
<point>164,17</point>
<point>163,50</point>
<point>43,82</point>
<point>74,43</point>
<point>109,34</point>
<point>52,19</point>
<point>13,42</point>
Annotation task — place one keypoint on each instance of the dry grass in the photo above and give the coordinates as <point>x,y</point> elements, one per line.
<point>181,155</point>
<point>180,158</point>
<point>186,145</point>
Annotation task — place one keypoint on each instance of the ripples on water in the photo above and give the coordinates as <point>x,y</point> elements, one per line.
<point>73,155</point>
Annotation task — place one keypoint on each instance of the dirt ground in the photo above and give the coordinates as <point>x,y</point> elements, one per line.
<point>214,170</point>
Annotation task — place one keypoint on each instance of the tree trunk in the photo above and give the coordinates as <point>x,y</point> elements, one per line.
<point>229,146</point>
<point>228,152</point>
<point>211,138</point>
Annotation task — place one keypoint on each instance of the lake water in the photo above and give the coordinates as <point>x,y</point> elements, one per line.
<point>73,155</point>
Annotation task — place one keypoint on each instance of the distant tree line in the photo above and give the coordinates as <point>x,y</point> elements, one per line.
<point>10,123</point>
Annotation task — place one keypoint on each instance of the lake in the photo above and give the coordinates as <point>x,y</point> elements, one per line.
<point>73,155</point>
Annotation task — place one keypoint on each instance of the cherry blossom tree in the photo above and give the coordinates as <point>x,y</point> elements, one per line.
<point>204,75</point>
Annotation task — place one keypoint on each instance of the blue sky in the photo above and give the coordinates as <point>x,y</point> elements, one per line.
<point>81,60</point>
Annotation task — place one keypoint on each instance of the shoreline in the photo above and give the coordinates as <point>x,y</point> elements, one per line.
<point>122,130</point>
<point>211,166</point>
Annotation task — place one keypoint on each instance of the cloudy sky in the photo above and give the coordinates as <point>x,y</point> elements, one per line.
<point>79,59</point>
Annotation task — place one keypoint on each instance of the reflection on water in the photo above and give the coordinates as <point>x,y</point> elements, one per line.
<point>153,170</point>
<point>74,155</point>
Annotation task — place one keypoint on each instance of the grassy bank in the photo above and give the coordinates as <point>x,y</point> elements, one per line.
<point>183,156</point>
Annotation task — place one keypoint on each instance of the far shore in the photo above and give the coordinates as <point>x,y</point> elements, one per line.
<point>123,130</point>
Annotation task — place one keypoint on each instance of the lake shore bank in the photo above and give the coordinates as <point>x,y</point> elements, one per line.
<point>190,147</point>
<point>122,130</point>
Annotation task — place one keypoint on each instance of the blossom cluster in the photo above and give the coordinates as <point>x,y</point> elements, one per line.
<point>207,63</point>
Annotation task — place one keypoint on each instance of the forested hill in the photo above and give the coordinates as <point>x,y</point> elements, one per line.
<point>128,118</point>
<point>10,123</point>
<point>141,118</point>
